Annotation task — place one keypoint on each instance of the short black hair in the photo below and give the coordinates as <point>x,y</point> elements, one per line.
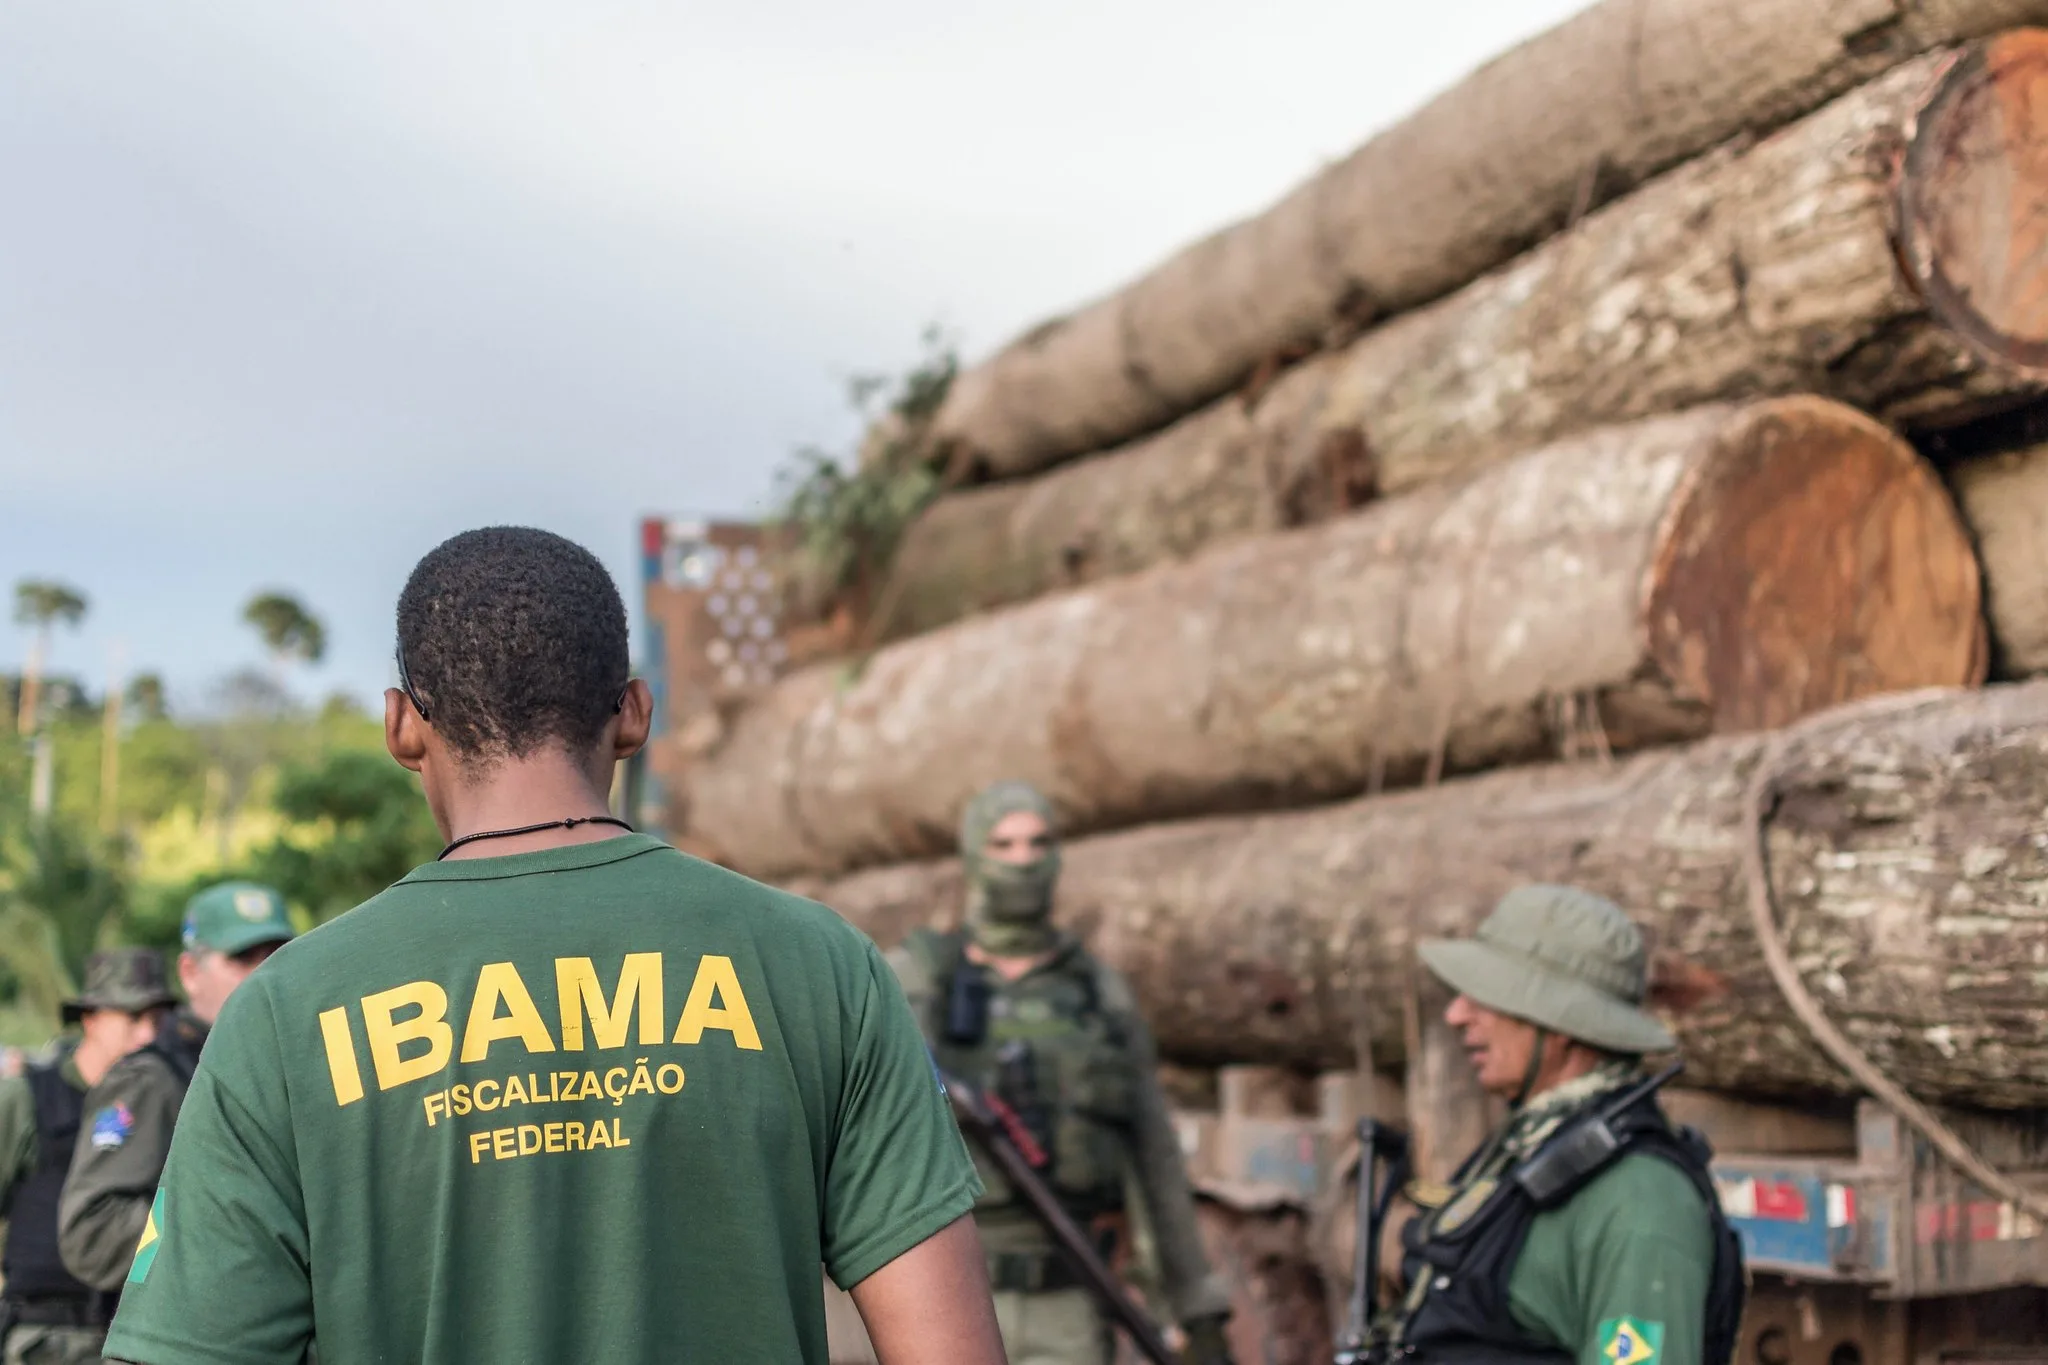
<point>512,639</point>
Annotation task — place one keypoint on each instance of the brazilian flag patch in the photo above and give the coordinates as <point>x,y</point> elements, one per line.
<point>1630,1341</point>
<point>152,1238</point>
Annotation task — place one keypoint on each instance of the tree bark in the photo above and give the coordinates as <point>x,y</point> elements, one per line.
<point>1502,160</point>
<point>1228,471</point>
<point>1727,568</point>
<point>1906,861</point>
<point>1769,269</point>
<point>2004,499</point>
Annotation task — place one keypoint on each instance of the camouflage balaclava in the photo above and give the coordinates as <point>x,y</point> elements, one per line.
<point>1009,905</point>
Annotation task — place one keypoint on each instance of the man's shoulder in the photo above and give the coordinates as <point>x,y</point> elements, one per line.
<point>1642,1192</point>
<point>141,1071</point>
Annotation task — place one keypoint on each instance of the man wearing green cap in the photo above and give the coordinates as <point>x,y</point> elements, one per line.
<point>1011,1003</point>
<point>51,1316</point>
<point>228,931</point>
<point>1585,1229</point>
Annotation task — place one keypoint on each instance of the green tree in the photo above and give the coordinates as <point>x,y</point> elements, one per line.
<point>146,697</point>
<point>42,605</point>
<point>376,828</point>
<point>289,632</point>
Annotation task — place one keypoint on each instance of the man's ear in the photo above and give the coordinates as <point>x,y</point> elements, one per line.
<point>403,738</point>
<point>636,720</point>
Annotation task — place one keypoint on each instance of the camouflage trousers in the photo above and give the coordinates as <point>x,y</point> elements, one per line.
<point>1054,1327</point>
<point>32,1345</point>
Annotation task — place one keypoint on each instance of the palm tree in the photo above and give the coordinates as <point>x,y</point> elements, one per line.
<point>288,630</point>
<point>42,604</point>
<point>146,696</point>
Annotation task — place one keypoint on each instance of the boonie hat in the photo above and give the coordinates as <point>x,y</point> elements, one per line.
<point>131,979</point>
<point>1559,957</point>
<point>234,917</point>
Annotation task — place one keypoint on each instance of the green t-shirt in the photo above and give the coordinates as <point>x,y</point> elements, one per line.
<point>1621,1271</point>
<point>602,1102</point>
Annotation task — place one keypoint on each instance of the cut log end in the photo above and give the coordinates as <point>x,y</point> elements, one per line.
<point>1973,200</point>
<point>1813,560</point>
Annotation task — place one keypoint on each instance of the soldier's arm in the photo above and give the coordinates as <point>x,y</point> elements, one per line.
<point>17,1138</point>
<point>1642,1248</point>
<point>1193,1289</point>
<point>107,1194</point>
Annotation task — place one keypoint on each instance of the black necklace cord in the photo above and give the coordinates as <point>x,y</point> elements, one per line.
<point>533,829</point>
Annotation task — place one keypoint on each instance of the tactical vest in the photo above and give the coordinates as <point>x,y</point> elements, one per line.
<point>33,1269</point>
<point>1054,1055</point>
<point>1469,1254</point>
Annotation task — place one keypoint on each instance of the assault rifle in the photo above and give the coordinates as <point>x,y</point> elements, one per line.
<point>1382,1168</point>
<point>992,1124</point>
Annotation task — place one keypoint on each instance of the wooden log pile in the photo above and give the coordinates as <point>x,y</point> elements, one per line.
<point>1506,158</point>
<point>1875,251</point>
<point>1710,570</point>
<point>1906,861</point>
<point>1556,458</point>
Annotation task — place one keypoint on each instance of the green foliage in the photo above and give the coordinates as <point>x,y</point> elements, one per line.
<point>287,629</point>
<point>42,603</point>
<point>845,519</point>
<point>369,826</point>
<point>145,697</point>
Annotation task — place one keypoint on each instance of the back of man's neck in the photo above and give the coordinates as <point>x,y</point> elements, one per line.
<point>517,793</point>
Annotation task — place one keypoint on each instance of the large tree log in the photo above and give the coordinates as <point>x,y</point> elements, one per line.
<point>2004,498</point>
<point>1503,159</point>
<point>1907,864</point>
<point>1730,567</point>
<point>1771,269</point>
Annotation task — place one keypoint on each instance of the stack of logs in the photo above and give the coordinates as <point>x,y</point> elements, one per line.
<point>1653,405</point>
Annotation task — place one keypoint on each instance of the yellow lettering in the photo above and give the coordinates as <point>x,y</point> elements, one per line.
<point>515,1089</point>
<point>341,1056</point>
<point>459,1097</point>
<point>535,1095</point>
<point>501,1144</point>
<point>495,1101</point>
<point>578,989</point>
<point>619,1139</point>
<point>499,982</point>
<point>573,1136</point>
<point>527,1130</point>
<point>552,1135</point>
<point>600,1136</point>
<point>437,1107</point>
<point>388,1034</point>
<point>477,1143</point>
<point>716,980</point>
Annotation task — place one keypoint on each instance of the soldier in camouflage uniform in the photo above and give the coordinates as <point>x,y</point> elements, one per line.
<point>228,931</point>
<point>54,1319</point>
<point>1013,1004</point>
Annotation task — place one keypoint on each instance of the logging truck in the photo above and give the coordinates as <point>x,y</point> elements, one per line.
<point>1866,1246</point>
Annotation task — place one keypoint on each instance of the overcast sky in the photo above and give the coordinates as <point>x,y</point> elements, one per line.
<point>289,292</point>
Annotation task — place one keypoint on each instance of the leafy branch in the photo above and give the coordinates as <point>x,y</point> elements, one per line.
<point>844,520</point>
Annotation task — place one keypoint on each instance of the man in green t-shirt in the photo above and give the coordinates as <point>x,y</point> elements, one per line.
<point>565,1094</point>
<point>1549,1247</point>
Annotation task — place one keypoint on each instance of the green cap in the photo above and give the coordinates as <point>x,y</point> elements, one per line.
<point>234,917</point>
<point>1559,957</point>
<point>131,979</point>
